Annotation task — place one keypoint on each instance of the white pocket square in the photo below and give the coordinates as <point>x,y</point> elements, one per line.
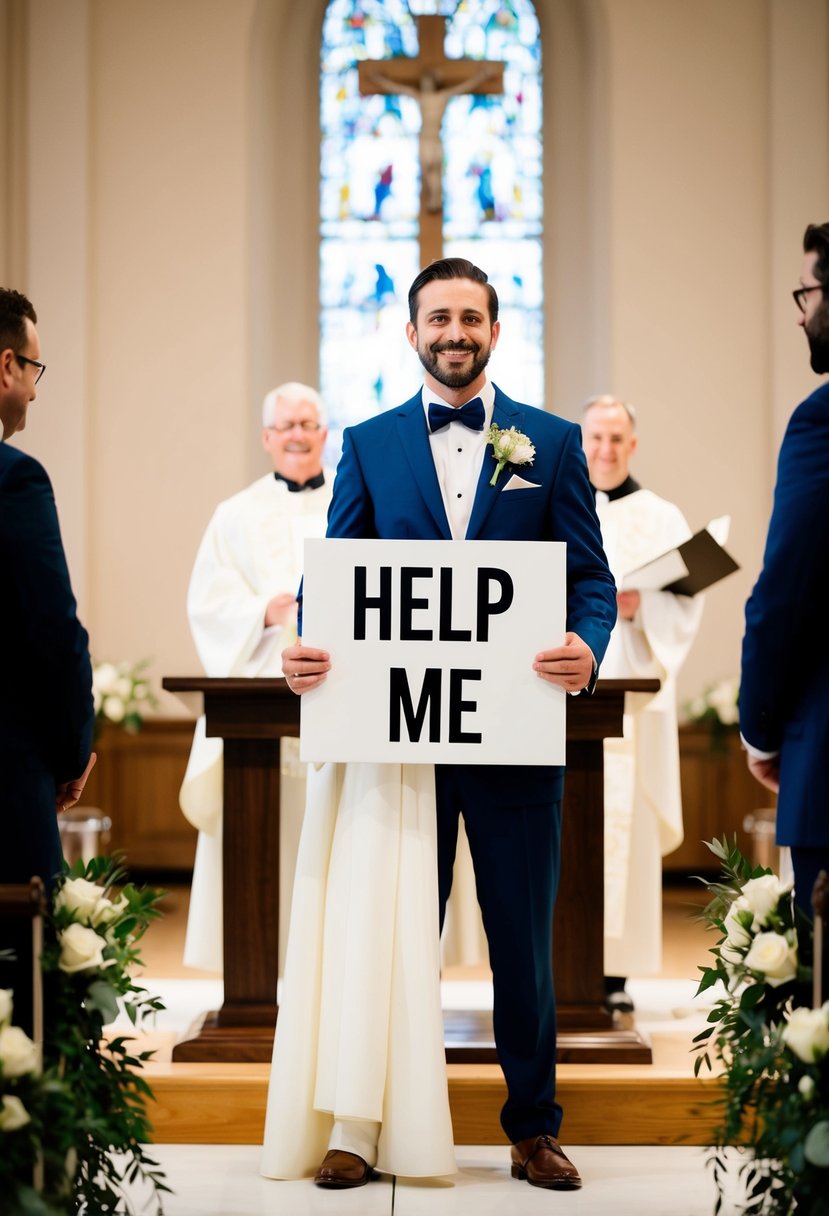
<point>518,483</point>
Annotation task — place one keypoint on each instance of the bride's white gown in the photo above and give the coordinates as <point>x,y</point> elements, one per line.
<point>360,1029</point>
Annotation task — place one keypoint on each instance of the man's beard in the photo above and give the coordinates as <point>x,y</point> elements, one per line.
<point>454,377</point>
<point>817,334</point>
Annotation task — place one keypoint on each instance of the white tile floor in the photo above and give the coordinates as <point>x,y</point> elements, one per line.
<point>223,1180</point>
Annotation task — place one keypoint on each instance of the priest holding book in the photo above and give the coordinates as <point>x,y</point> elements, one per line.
<point>653,634</point>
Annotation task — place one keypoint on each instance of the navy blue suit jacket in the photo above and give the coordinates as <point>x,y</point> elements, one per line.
<point>387,488</point>
<point>46,709</point>
<point>784,686</point>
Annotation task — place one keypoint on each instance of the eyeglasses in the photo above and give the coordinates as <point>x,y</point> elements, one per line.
<point>799,296</point>
<point>41,367</point>
<point>282,427</point>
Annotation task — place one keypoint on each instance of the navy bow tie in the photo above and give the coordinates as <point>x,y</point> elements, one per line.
<point>471,414</point>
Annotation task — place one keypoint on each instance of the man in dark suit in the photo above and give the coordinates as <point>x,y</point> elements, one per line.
<point>423,471</point>
<point>784,688</point>
<point>46,710</point>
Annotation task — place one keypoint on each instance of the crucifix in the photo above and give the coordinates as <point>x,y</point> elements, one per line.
<point>431,79</point>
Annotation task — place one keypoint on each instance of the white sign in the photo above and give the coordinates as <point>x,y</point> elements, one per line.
<point>432,645</point>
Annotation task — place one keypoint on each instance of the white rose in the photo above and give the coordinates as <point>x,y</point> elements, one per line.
<point>80,949</point>
<point>13,1114</point>
<point>723,698</point>
<point>806,1088</point>
<point>737,935</point>
<point>80,896</point>
<point>816,1145</point>
<point>807,1033</point>
<point>123,688</point>
<point>114,708</point>
<point>522,453</point>
<point>106,911</point>
<point>762,895</point>
<point>18,1054</point>
<point>104,677</point>
<point>6,1004</point>
<point>773,956</point>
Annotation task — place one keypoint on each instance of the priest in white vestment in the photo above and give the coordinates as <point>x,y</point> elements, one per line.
<point>241,604</point>
<point>653,634</point>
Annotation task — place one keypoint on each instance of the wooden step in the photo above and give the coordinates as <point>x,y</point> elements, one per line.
<point>625,1104</point>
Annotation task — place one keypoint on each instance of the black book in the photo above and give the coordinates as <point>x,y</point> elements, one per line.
<point>691,567</point>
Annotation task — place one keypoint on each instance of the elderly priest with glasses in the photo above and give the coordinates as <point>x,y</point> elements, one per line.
<point>241,605</point>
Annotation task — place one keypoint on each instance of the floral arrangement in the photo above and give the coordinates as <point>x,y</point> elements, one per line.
<point>28,1104</point>
<point>772,1047</point>
<point>718,703</point>
<point>509,446</point>
<point>122,694</point>
<point>81,1115</point>
<point>718,707</point>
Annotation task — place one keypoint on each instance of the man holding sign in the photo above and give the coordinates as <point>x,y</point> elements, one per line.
<point>460,460</point>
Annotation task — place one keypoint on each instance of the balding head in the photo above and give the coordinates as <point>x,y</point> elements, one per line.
<point>609,440</point>
<point>293,433</point>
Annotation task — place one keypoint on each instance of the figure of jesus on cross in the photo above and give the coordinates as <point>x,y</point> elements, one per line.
<point>431,79</point>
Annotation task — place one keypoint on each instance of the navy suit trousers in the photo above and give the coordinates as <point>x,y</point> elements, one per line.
<point>515,847</point>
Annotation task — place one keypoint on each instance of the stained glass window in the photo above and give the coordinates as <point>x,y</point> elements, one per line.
<point>370,197</point>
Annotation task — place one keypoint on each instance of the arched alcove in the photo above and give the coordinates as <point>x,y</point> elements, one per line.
<point>284,193</point>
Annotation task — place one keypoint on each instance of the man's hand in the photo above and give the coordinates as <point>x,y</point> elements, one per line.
<point>570,666</point>
<point>628,604</point>
<point>281,610</point>
<point>767,772</point>
<point>304,668</point>
<point>69,793</point>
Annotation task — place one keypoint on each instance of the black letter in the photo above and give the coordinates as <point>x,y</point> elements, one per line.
<point>399,694</point>
<point>487,608</point>
<point>362,602</point>
<point>407,604</point>
<point>457,707</point>
<point>447,633</point>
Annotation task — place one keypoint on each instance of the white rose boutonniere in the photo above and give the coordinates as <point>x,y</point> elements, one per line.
<point>508,447</point>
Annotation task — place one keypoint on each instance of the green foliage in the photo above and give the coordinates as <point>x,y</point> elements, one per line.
<point>775,1105</point>
<point>88,1122</point>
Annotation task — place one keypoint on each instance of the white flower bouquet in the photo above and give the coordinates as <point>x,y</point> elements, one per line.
<point>122,694</point>
<point>772,1047</point>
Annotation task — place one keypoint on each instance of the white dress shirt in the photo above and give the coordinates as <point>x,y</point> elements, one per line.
<point>458,453</point>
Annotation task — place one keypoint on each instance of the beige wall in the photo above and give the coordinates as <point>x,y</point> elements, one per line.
<point>166,191</point>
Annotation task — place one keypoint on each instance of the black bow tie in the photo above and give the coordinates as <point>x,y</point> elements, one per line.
<point>471,414</point>
<point>294,487</point>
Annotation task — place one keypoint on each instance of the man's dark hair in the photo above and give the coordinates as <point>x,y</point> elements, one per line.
<point>451,268</point>
<point>816,240</point>
<point>14,309</point>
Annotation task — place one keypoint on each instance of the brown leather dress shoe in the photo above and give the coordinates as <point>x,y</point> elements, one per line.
<point>541,1162</point>
<point>342,1169</point>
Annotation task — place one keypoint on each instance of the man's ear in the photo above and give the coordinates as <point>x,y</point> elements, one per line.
<point>411,334</point>
<point>7,358</point>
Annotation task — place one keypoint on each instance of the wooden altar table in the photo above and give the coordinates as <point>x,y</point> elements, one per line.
<point>251,716</point>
